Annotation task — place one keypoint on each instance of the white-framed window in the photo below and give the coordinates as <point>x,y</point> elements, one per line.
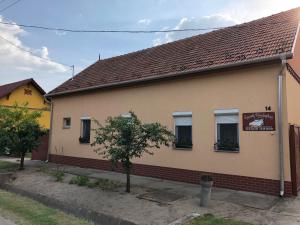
<point>67,123</point>
<point>183,129</point>
<point>85,130</point>
<point>227,130</point>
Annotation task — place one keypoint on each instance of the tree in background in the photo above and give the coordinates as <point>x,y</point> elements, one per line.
<point>123,138</point>
<point>20,131</point>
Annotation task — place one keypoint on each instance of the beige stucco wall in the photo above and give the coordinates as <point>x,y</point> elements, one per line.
<point>295,61</point>
<point>293,87</point>
<point>293,100</point>
<point>249,90</point>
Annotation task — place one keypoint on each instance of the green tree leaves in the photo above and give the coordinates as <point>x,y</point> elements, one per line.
<point>20,131</point>
<point>123,138</point>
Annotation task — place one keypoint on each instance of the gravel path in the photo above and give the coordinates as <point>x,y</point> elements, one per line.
<point>4,221</point>
<point>117,203</point>
<point>146,212</point>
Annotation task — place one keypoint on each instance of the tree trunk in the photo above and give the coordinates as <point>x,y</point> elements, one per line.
<point>128,180</point>
<point>22,161</point>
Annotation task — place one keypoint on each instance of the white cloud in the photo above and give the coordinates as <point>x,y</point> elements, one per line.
<point>16,64</point>
<point>12,58</point>
<point>144,21</point>
<point>236,11</point>
<point>246,10</point>
<point>212,21</point>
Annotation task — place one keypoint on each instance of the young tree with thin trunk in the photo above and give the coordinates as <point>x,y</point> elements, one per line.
<point>20,131</point>
<point>123,138</point>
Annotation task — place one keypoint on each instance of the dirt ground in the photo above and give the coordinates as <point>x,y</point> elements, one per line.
<point>142,207</point>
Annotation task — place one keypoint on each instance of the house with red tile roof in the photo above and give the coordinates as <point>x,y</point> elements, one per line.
<point>26,92</point>
<point>231,96</point>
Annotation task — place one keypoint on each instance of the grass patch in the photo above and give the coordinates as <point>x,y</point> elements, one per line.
<point>8,166</point>
<point>58,175</point>
<point>209,219</point>
<point>104,184</point>
<point>79,180</point>
<point>23,210</point>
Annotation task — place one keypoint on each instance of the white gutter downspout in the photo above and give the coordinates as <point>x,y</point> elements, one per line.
<point>50,131</point>
<point>280,134</point>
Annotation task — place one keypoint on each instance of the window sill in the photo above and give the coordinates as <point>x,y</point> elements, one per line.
<point>228,151</point>
<point>84,143</point>
<point>182,148</point>
<point>65,128</point>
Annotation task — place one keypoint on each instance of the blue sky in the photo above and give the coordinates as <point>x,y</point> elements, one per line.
<point>83,49</point>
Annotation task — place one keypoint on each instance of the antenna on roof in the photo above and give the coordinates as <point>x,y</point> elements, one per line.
<point>73,71</point>
<point>99,56</point>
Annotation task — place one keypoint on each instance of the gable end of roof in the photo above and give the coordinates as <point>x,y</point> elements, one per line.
<point>7,89</point>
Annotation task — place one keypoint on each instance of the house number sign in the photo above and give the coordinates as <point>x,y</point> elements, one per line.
<point>259,121</point>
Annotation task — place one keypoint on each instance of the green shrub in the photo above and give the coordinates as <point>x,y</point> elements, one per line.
<point>58,175</point>
<point>82,180</point>
<point>107,184</point>
<point>104,184</point>
<point>79,180</point>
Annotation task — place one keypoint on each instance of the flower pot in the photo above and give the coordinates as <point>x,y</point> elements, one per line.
<point>206,185</point>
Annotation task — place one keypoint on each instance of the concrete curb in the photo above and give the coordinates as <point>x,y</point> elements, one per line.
<point>185,219</point>
<point>83,213</point>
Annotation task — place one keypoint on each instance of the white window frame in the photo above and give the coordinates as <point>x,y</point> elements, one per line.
<point>81,126</point>
<point>186,119</point>
<point>226,113</point>
<point>65,126</point>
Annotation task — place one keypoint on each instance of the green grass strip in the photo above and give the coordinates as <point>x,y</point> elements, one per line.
<point>31,212</point>
<point>8,166</point>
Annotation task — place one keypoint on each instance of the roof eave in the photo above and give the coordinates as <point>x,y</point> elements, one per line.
<point>288,55</point>
<point>296,38</point>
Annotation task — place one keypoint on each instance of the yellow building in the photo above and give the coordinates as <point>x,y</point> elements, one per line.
<point>26,91</point>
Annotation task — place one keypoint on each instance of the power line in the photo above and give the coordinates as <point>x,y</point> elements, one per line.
<point>109,31</point>
<point>33,54</point>
<point>7,7</point>
<point>127,31</point>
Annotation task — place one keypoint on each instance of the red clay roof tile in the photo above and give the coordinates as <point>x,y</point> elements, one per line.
<point>265,37</point>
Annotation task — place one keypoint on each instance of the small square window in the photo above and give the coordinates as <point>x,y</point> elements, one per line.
<point>67,123</point>
<point>227,132</point>
<point>27,92</point>
<point>85,132</point>
<point>183,130</point>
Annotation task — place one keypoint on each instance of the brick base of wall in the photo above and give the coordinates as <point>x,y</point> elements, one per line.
<point>242,183</point>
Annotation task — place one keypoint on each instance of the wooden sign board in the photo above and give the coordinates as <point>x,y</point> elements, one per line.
<point>259,121</point>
